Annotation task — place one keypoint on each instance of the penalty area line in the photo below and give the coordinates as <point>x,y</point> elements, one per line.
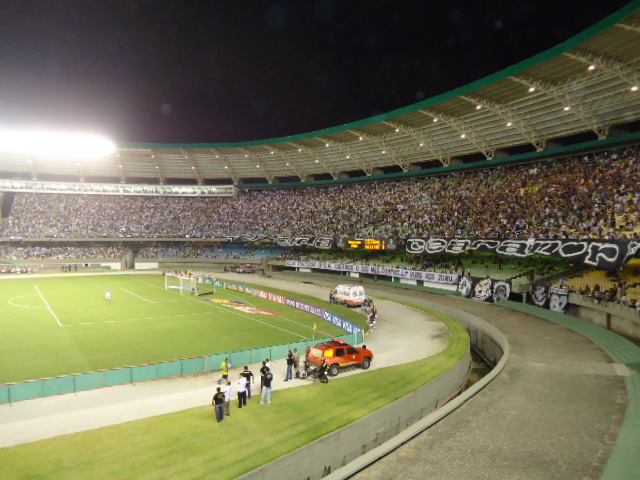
<point>47,305</point>
<point>136,295</point>
<point>227,309</point>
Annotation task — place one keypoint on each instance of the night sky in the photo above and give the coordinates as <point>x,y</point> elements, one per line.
<point>237,70</point>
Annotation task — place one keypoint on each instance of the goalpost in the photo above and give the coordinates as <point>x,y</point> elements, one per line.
<point>188,285</point>
<point>181,283</point>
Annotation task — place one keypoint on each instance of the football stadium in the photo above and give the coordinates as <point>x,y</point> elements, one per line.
<point>495,229</point>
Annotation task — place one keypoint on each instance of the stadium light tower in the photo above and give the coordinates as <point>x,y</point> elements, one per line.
<point>51,144</point>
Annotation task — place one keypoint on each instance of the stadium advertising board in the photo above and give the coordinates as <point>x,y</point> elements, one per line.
<point>274,297</point>
<point>376,270</point>
<point>340,322</point>
<point>320,312</point>
<point>305,307</point>
<point>118,189</point>
<point>238,288</point>
<point>601,254</point>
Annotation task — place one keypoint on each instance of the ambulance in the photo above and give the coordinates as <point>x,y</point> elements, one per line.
<point>349,295</point>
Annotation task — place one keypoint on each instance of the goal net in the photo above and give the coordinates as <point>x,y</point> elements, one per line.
<point>184,285</point>
<point>189,285</point>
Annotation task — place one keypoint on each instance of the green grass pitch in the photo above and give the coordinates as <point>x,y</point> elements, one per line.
<point>63,325</point>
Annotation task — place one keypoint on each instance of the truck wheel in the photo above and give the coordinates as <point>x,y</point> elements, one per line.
<point>366,363</point>
<point>334,370</point>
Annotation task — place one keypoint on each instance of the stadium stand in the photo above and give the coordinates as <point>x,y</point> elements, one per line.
<point>591,196</point>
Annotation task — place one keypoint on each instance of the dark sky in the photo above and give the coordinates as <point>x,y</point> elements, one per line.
<point>236,70</point>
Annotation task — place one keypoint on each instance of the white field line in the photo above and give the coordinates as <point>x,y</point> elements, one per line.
<point>136,295</point>
<point>242,296</point>
<point>47,305</point>
<point>155,317</point>
<point>11,302</point>
<point>228,309</point>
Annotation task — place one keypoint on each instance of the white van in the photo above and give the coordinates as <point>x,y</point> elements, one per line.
<point>349,295</point>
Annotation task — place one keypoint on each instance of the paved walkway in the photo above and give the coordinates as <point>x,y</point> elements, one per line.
<point>553,413</point>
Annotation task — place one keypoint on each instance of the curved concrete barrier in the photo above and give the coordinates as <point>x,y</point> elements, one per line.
<point>348,450</point>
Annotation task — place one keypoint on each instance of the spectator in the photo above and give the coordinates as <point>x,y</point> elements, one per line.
<point>266,388</point>
<point>218,404</point>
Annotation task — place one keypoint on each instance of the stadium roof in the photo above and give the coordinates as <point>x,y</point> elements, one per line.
<point>586,88</point>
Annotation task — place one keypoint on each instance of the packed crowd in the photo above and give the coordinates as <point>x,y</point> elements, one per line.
<point>218,252</point>
<point>622,294</point>
<point>604,288</point>
<point>46,252</point>
<point>594,196</point>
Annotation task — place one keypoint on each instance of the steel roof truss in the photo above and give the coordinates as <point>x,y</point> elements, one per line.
<point>194,166</point>
<point>424,140</point>
<point>156,160</point>
<point>227,165</point>
<point>317,159</point>
<point>257,159</point>
<point>290,162</point>
<point>350,154</point>
<point>512,119</point>
<point>613,66</point>
<point>572,105</point>
<point>465,132</point>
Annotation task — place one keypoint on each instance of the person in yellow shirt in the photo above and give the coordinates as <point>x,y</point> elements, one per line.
<point>224,367</point>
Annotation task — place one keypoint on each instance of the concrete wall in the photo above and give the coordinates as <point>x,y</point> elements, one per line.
<point>344,452</point>
<point>622,320</point>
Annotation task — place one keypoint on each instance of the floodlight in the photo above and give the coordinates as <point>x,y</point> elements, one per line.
<point>50,144</point>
